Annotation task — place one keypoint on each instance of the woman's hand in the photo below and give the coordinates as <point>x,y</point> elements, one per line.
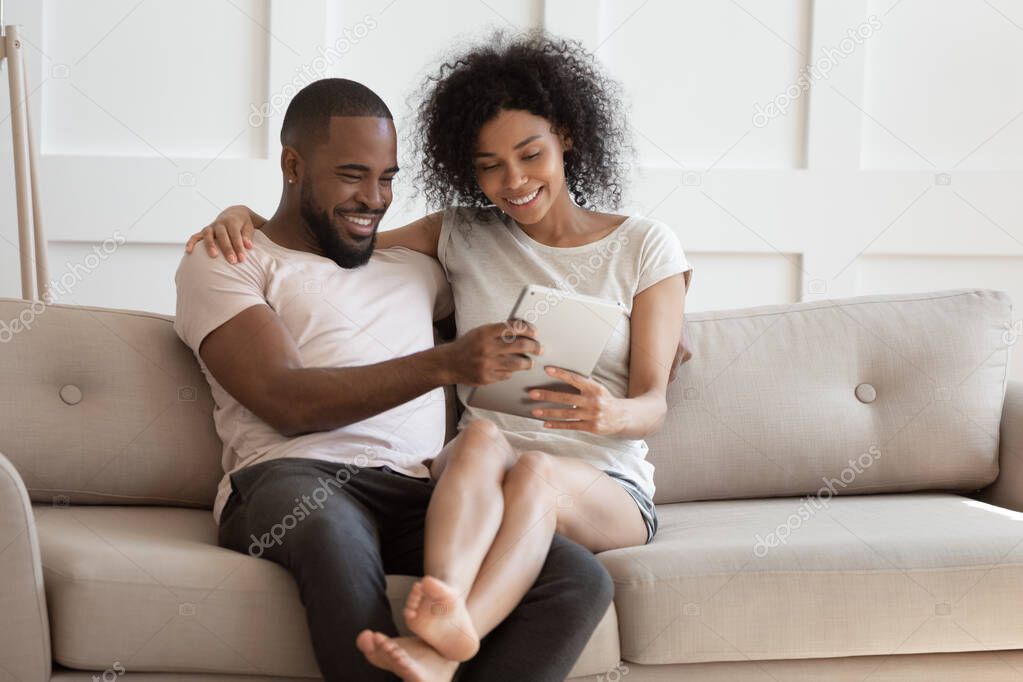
<point>594,409</point>
<point>232,231</point>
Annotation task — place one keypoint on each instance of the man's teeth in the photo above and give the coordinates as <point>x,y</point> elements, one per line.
<point>526,199</point>
<point>365,222</point>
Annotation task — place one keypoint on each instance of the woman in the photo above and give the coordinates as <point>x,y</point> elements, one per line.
<point>520,137</point>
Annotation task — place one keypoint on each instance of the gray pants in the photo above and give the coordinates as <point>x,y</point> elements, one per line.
<point>340,530</point>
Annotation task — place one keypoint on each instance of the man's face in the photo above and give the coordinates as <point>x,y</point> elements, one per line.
<point>346,187</point>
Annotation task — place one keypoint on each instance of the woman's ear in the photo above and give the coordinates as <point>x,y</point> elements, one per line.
<point>564,138</point>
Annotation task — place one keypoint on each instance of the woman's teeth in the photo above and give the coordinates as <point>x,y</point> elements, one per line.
<point>526,199</point>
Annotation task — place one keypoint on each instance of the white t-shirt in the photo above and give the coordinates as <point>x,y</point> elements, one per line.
<point>338,318</point>
<point>488,259</point>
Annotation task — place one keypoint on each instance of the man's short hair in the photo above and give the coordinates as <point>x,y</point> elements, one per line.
<point>307,120</point>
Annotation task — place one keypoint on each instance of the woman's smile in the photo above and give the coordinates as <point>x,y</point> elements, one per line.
<point>524,200</point>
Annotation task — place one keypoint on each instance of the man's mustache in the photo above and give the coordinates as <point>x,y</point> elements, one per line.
<point>361,211</point>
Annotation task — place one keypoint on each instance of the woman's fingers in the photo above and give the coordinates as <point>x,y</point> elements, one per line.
<point>248,229</point>
<point>570,426</point>
<point>211,244</point>
<point>556,397</point>
<point>570,378</point>
<point>224,242</point>
<point>235,234</point>
<point>558,413</point>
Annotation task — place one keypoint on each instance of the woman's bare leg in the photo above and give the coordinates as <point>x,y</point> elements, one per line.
<point>544,494</point>
<point>461,522</point>
<point>538,495</point>
<point>520,548</point>
<point>462,518</point>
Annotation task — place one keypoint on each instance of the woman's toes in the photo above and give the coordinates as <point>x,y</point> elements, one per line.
<point>366,642</point>
<point>415,595</point>
<point>415,598</point>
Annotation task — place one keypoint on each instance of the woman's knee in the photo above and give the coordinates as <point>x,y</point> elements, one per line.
<point>483,428</point>
<point>531,477</point>
<point>479,451</point>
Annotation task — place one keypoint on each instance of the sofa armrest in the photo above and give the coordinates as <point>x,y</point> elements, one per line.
<point>1007,490</point>
<point>25,635</point>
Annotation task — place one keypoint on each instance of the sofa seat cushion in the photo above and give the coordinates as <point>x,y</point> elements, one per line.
<point>148,587</point>
<point>803,578</point>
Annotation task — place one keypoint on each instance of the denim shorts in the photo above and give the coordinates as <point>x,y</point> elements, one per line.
<point>646,506</point>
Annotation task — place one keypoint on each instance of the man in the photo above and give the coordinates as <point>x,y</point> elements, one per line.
<point>320,356</point>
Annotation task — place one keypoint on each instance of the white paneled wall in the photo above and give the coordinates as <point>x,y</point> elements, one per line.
<point>172,79</point>
<point>776,278</point>
<point>896,165</point>
<point>692,69</point>
<point>941,98</point>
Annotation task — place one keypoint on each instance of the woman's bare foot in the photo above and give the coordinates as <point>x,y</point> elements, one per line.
<point>409,658</point>
<point>436,613</point>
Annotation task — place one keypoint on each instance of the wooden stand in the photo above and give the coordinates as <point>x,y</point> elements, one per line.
<point>25,170</point>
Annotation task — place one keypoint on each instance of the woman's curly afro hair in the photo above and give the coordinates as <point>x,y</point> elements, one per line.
<point>546,76</point>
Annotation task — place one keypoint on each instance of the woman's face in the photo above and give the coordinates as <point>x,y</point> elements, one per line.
<point>520,164</point>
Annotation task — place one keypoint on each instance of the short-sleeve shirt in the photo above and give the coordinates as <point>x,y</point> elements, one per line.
<point>488,258</point>
<point>337,318</point>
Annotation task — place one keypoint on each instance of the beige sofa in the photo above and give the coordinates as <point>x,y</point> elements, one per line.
<point>778,558</point>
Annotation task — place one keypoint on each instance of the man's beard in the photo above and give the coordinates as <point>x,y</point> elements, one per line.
<point>331,244</point>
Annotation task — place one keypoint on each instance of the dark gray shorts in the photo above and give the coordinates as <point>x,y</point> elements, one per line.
<point>645,504</point>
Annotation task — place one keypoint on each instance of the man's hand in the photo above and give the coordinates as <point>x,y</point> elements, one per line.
<point>491,353</point>
<point>683,353</point>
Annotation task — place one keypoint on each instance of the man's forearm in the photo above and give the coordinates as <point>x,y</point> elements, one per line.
<point>325,398</point>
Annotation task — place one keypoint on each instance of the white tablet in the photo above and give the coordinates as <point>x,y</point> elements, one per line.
<point>573,330</point>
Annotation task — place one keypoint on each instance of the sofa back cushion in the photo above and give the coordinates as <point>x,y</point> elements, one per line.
<point>872,394</point>
<point>108,406</point>
<point>104,406</point>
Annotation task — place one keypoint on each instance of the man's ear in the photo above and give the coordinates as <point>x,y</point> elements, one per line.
<point>291,163</point>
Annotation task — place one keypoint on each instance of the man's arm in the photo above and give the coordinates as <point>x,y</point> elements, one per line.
<point>254,358</point>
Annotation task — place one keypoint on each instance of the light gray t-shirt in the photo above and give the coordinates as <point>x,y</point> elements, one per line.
<point>488,258</point>
<point>337,318</point>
